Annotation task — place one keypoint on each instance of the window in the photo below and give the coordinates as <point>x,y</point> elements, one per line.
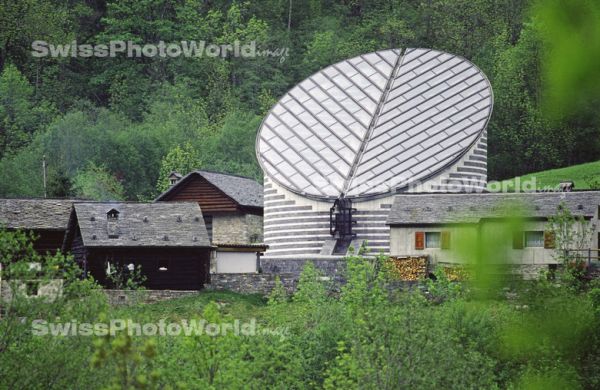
<point>32,288</point>
<point>208,221</point>
<point>112,214</point>
<point>534,239</point>
<point>163,265</point>
<point>432,239</point>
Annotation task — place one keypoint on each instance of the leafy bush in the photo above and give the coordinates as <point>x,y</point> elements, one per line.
<point>365,335</point>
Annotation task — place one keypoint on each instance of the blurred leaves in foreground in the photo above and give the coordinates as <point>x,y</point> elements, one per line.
<point>571,31</point>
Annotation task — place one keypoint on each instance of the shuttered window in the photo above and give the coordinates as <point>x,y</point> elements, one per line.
<point>549,240</point>
<point>445,240</point>
<point>419,240</point>
<point>518,240</point>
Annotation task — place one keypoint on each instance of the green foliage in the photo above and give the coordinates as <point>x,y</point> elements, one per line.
<point>571,29</point>
<point>215,358</point>
<point>96,183</point>
<point>131,364</point>
<point>571,234</point>
<point>311,289</point>
<point>278,295</point>
<point>231,149</point>
<point>442,289</point>
<point>127,114</point>
<point>48,361</point>
<point>20,116</point>
<point>585,176</point>
<point>549,339</point>
<point>182,160</point>
<point>121,277</point>
<point>369,336</point>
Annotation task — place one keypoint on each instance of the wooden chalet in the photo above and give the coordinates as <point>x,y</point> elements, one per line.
<point>232,205</point>
<point>168,240</point>
<point>233,212</point>
<point>47,219</point>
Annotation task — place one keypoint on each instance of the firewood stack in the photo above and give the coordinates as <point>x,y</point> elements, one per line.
<point>409,268</point>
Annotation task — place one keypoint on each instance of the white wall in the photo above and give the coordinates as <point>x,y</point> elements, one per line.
<point>236,262</point>
<point>403,242</point>
<point>527,255</point>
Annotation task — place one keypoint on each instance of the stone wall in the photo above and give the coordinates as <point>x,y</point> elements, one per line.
<point>298,226</point>
<point>332,266</point>
<point>254,226</point>
<point>253,283</point>
<point>46,289</point>
<point>229,228</point>
<point>133,297</point>
<point>529,271</point>
<point>237,228</point>
<point>287,269</point>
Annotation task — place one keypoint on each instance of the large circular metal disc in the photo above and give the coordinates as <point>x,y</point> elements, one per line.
<point>374,123</point>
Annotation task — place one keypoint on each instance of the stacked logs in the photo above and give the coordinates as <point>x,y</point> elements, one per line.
<point>409,268</point>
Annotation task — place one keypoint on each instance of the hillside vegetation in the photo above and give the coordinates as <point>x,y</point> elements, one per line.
<point>113,127</point>
<point>362,336</point>
<point>585,176</point>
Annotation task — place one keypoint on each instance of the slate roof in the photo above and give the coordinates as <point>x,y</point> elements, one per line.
<point>161,224</point>
<point>243,190</point>
<point>415,209</point>
<point>42,214</point>
<point>375,123</point>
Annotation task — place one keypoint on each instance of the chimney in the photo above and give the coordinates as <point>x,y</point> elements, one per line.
<point>174,177</point>
<point>566,186</point>
<point>112,223</point>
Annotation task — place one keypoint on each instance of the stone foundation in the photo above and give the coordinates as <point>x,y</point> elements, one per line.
<point>133,297</point>
<point>530,271</point>
<point>49,290</point>
<point>332,266</point>
<point>252,283</point>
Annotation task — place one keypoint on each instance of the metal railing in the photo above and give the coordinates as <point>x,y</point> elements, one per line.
<point>586,254</point>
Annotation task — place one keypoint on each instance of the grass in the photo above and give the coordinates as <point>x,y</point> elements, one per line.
<point>585,176</point>
<point>240,306</point>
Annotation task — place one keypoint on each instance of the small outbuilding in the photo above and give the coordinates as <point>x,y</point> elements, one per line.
<point>429,224</point>
<point>232,205</point>
<point>233,212</point>
<point>47,219</point>
<point>237,258</point>
<point>168,241</point>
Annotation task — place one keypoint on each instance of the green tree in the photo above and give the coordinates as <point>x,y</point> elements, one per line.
<point>20,117</point>
<point>182,159</point>
<point>96,183</point>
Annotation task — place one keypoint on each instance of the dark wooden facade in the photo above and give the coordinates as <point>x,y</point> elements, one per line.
<point>167,241</point>
<point>47,241</point>
<point>186,268</point>
<point>210,198</point>
<point>45,219</point>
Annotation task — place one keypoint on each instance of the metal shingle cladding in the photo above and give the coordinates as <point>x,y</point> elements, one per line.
<point>375,123</point>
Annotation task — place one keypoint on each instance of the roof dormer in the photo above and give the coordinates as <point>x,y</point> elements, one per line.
<point>112,223</point>
<point>174,177</point>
